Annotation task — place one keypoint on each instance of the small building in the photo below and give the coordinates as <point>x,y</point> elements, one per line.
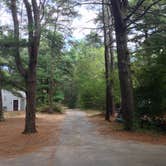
<point>13,102</point>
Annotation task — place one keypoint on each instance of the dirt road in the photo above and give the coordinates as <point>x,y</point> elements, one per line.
<point>81,145</point>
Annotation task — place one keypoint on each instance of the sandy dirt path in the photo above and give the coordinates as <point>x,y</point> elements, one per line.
<point>81,145</point>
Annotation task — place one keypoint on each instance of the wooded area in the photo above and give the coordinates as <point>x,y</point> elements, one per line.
<point>120,67</point>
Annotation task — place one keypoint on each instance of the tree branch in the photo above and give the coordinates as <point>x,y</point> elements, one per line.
<point>139,3</point>
<point>145,11</point>
<point>30,19</point>
<point>16,38</point>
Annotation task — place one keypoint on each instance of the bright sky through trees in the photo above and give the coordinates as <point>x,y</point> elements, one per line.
<point>82,25</point>
<point>85,23</point>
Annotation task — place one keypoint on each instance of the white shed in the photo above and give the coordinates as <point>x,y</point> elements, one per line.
<point>12,102</point>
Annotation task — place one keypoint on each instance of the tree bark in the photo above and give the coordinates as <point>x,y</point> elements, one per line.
<point>16,49</point>
<point>30,80</point>
<point>108,61</point>
<point>1,107</point>
<point>30,119</point>
<point>51,86</point>
<point>33,15</point>
<point>111,41</point>
<point>119,11</point>
<point>1,101</point>
<point>29,74</point>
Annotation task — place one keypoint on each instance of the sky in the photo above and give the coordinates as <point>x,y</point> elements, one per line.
<point>4,17</point>
<point>84,24</point>
<point>81,25</point>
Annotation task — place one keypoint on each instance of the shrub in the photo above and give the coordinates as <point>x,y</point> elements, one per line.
<point>57,108</point>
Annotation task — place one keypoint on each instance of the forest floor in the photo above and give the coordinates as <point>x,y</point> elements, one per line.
<point>13,142</point>
<point>80,144</point>
<point>115,130</point>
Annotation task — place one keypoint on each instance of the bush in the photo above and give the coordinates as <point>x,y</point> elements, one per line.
<point>57,108</point>
<point>158,123</point>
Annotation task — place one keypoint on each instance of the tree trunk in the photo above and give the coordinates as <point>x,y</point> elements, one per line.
<point>1,107</point>
<point>108,85</point>
<point>51,82</point>
<point>30,119</point>
<point>108,62</point>
<point>123,63</point>
<point>33,14</point>
<point>125,80</point>
<point>34,33</point>
<point>110,40</point>
<point>30,80</point>
<point>1,104</point>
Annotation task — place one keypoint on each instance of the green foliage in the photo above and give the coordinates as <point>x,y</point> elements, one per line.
<point>89,76</point>
<point>116,86</point>
<point>93,39</point>
<point>149,61</point>
<point>85,86</point>
<point>49,69</point>
<point>151,92</point>
<point>57,108</point>
<point>10,78</point>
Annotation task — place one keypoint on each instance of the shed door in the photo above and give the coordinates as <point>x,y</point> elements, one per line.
<point>15,105</point>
